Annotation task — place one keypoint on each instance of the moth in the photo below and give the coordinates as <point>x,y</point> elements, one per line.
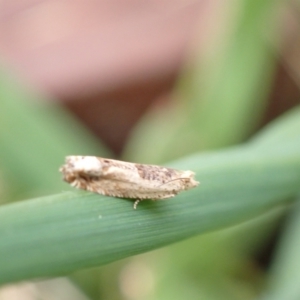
<point>125,179</point>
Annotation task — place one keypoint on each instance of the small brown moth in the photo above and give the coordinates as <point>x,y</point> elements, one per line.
<point>124,179</point>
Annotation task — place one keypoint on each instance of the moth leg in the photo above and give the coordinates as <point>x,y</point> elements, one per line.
<point>136,202</point>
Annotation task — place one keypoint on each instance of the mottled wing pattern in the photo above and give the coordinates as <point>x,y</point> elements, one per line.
<point>124,179</point>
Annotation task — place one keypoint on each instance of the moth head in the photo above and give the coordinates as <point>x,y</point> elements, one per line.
<point>85,165</point>
<point>188,177</point>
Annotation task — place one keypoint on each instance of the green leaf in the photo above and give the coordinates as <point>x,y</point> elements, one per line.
<point>222,93</point>
<point>284,274</point>
<point>61,233</point>
<point>35,136</point>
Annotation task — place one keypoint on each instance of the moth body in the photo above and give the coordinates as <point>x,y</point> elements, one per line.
<point>124,179</point>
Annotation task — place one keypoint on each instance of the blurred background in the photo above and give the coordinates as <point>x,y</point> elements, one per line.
<point>146,81</point>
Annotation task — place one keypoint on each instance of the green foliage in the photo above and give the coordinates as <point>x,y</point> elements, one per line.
<point>221,95</point>
<point>244,189</point>
<point>35,137</point>
<point>62,233</point>
<point>284,275</point>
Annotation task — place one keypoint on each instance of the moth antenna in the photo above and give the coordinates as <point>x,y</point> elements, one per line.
<point>173,180</point>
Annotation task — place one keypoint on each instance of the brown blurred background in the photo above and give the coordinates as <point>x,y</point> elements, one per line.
<point>108,61</point>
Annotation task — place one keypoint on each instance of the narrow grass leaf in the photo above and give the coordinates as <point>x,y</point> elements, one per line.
<point>62,233</point>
